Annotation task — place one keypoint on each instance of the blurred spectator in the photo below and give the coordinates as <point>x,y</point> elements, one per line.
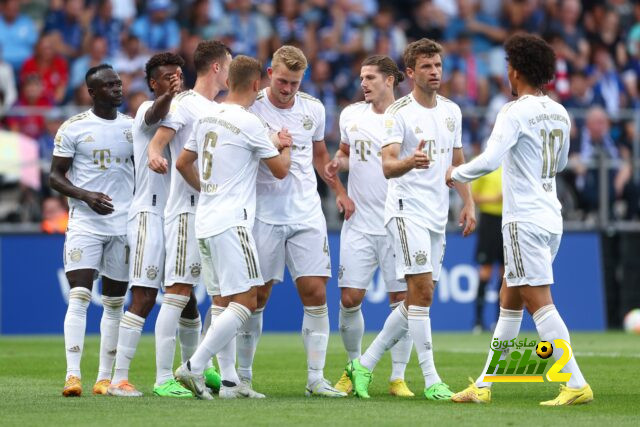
<point>289,24</point>
<point>50,67</point>
<point>608,87</point>
<point>320,86</point>
<point>96,55</point>
<point>8,90</point>
<point>18,34</point>
<point>53,121</point>
<point>484,28</point>
<point>385,37</point>
<point>55,215</point>
<point>198,20</point>
<point>31,95</point>
<point>131,59</point>
<point>426,21</point>
<point>581,96</point>
<point>67,20</point>
<point>567,25</point>
<point>606,32</point>
<point>134,100</point>
<point>473,67</point>
<point>246,31</point>
<point>105,25</point>
<point>124,10</point>
<point>521,15</point>
<point>560,85</point>
<point>156,29</point>
<point>188,46</point>
<point>596,144</point>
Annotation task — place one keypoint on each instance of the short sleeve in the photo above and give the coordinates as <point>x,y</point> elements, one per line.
<point>319,133</point>
<point>393,129</point>
<point>457,143</point>
<point>175,119</point>
<point>344,138</point>
<point>64,146</point>
<point>192,144</point>
<point>258,139</point>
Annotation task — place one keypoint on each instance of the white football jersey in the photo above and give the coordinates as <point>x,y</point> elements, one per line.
<point>102,153</point>
<point>531,140</point>
<point>361,128</point>
<point>151,188</point>
<point>185,109</point>
<point>295,199</point>
<point>421,194</point>
<point>229,146</point>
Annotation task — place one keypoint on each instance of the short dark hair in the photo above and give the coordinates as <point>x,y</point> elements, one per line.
<point>532,57</point>
<point>243,71</point>
<point>423,46</point>
<point>158,60</point>
<point>94,70</point>
<point>208,52</point>
<point>386,66</point>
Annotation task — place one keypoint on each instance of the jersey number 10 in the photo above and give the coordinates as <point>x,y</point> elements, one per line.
<point>550,154</point>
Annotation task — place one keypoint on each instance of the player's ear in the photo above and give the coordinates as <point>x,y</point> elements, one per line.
<point>256,85</point>
<point>409,72</point>
<point>269,72</point>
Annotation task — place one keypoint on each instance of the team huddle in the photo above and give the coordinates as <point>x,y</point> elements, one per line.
<point>225,194</point>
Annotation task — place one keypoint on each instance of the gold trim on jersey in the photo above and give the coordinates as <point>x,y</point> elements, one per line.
<point>73,119</point>
<point>515,249</point>
<point>402,232</point>
<point>402,102</point>
<point>142,237</point>
<point>249,258</point>
<point>181,252</point>
<point>305,95</point>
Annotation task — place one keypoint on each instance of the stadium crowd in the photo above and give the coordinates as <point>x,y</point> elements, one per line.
<point>47,46</point>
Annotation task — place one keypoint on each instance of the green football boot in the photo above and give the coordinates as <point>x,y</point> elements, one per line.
<point>438,391</point>
<point>360,377</point>
<point>212,379</point>
<point>171,388</point>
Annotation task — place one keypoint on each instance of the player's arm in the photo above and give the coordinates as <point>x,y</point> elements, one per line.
<point>340,162</point>
<point>160,107</point>
<point>98,202</point>
<point>468,212</point>
<point>320,159</point>
<point>160,140</point>
<point>394,167</point>
<point>279,165</point>
<point>187,168</point>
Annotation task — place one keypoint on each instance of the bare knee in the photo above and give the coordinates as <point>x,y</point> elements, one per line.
<point>142,301</point>
<point>312,290</point>
<point>396,297</point>
<point>263,294</point>
<point>350,297</point>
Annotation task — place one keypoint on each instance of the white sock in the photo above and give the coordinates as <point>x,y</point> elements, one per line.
<point>247,343</point>
<point>351,323</point>
<point>189,336</point>
<point>227,356</point>
<point>220,333</point>
<point>315,335</point>
<point>128,338</point>
<point>109,326</point>
<point>550,326</point>
<point>75,323</point>
<point>395,327</point>
<point>166,327</point>
<point>400,353</point>
<point>507,328</point>
<point>420,330</point>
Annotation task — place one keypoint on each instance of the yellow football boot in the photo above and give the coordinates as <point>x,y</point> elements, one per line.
<point>344,384</point>
<point>473,394</point>
<point>571,396</point>
<point>72,387</point>
<point>399,388</point>
<point>101,387</point>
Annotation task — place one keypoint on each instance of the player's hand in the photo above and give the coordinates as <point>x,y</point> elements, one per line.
<point>468,219</point>
<point>98,202</point>
<point>420,158</point>
<point>345,204</point>
<point>447,178</point>
<point>158,164</point>
<point>331,170</point>
<point>284,139</point>
<point>175,83</point>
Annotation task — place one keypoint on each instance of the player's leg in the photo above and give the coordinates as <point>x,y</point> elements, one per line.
<point>270,246</point>
<point>351,325</point>
<point>484,275</point>
<point>146,243</point>
<point>189,328</point>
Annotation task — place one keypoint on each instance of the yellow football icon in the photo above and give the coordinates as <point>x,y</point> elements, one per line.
<point>544,349</point>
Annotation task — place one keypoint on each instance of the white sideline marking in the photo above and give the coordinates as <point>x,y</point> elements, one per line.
<point>577,353</point>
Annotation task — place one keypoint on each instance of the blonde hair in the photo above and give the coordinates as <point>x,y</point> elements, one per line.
<point>291,57</point>
<point>243,71</point>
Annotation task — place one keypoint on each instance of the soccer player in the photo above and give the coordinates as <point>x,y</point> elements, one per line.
<point>231,145</point>
<point>95,149</point>
<point>290,227</point>
<point>422,133</point>
<point>364,244</point>
<point>531,141</point>
<point>145,230</point>
<point>182,265</point>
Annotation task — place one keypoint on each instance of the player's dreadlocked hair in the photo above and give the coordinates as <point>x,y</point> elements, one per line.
<point>532,57</point>
<point>158,60</point>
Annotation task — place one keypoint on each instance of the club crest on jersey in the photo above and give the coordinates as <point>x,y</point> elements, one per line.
<point>75,254</point>
<point>340,271</point>
<point>195,269</point>
<point>152,272</point>
<point>129,135</point>
<point>307,123</point>
<point>451,124</point>
<point>354,128</point>
<point>420,257</point>
<point>418,130</point>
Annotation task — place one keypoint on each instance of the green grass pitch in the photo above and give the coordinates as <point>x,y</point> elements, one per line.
<point>32,373</point>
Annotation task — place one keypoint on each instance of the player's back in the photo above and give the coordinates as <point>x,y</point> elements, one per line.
<point>151,188</point>
<point>229,146</point>
<point>542,128</point>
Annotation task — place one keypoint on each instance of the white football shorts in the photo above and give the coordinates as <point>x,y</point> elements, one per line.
<point>107,255</point>
<point>417,249</point>
<point>145,234</point>
<point>361,254</point>
<point>529,252</point>
<point>230,262</point>
<point>182,264</point>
